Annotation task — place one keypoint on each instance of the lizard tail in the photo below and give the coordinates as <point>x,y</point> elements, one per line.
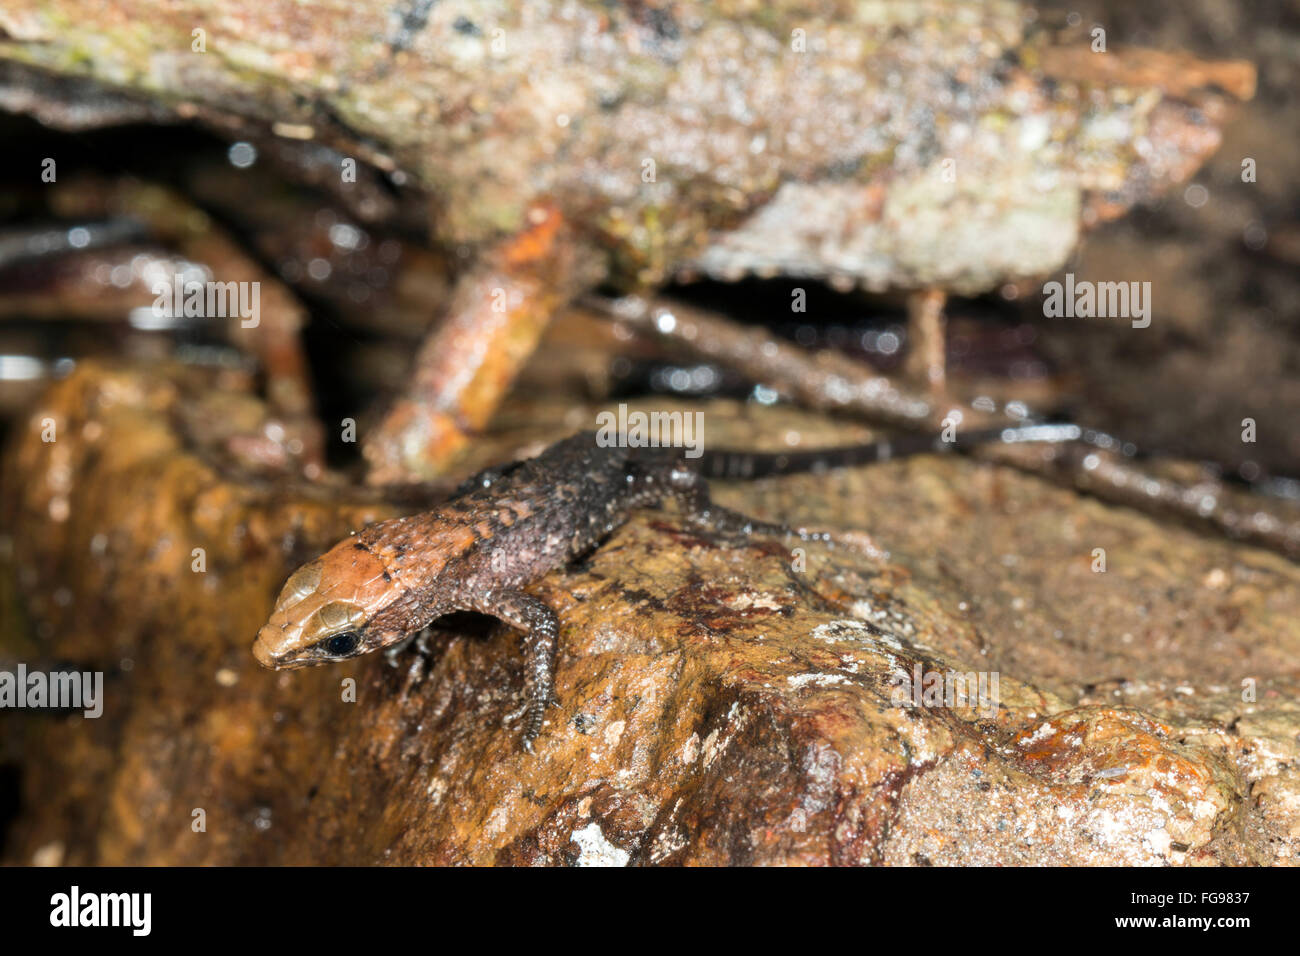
<point>725,464</point>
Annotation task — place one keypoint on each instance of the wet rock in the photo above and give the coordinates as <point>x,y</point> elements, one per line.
<point>943,144</point>
<point>720,703</point>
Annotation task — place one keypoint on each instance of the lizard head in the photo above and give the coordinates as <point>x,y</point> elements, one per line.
<point>326,610</point>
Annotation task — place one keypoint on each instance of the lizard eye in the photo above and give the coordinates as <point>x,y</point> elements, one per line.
<point>341,645</point>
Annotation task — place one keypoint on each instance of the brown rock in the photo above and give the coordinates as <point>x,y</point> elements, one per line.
<point>719,704</point>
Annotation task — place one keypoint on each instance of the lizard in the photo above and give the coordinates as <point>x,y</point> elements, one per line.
<point>506,527</point>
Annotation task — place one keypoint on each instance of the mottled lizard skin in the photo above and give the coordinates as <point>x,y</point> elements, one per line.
<point>507,527</point>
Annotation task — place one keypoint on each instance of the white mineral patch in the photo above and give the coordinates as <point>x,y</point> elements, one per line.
<point>1044,731</point>
<point>886,620</point>
<point>595,850</point>
<point>849,630</point>
<point>710,747</point>
<point>1159,841</point>
<point>817,678</point>
<point>614,732</point>
<point>1204,810</point>
<point>497,822</point>
<point>743,602</point>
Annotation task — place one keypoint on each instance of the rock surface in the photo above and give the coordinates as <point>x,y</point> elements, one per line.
<point>720,704</point>
<point>944,146</point>
<point>817,140</point>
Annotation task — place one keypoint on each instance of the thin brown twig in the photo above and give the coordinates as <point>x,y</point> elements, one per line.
<point>829,381</point>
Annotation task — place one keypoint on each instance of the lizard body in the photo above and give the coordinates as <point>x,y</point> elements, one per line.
<point>508,526</point>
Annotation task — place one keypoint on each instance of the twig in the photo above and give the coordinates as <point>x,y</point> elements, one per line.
<point>1096,464</point>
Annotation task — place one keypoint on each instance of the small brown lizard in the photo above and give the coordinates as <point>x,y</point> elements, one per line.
<point>508,526</point>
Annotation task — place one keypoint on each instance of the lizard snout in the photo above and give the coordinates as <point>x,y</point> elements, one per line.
<point>263,646</point>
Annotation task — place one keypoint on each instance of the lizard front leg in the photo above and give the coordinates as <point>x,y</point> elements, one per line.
<point>541,633</point>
